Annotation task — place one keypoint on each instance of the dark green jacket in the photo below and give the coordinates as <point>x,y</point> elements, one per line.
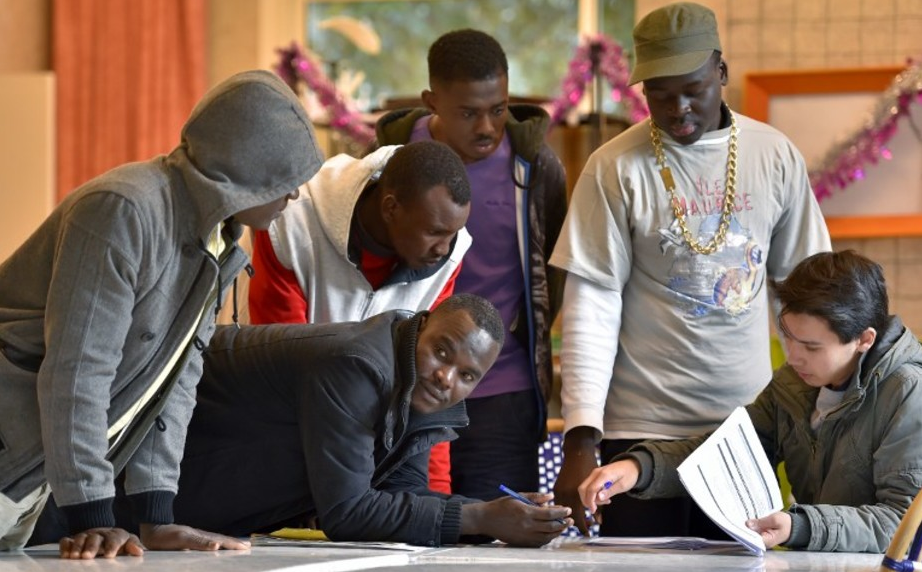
<point>854,480</point>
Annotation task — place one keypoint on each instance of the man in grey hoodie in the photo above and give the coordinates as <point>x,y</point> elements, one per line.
<point>106,308</point>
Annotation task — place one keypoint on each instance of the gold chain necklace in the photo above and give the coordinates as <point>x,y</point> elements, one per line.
<point>729,198</point>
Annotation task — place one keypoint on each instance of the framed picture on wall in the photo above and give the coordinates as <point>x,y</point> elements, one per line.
<point>817,109</point>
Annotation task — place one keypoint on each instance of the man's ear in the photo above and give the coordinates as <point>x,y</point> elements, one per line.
<point>423,319</point>
<point>389,206</point>
<point>724,73</point>
<point>428,98</point>
<point>866,339</point>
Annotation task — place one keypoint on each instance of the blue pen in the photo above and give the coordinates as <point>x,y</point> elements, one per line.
<point>523,499</point>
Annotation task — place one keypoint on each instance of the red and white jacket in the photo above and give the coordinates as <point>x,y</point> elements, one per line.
<point>303,270</point>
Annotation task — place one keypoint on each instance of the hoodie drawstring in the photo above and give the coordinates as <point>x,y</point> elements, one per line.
<point>236,313</point>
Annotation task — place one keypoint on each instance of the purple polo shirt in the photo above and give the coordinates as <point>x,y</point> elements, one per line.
<point>492,267</point>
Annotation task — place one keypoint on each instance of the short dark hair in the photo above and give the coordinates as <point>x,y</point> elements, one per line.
<point>416,167</point>
<point>845,289</point>
<point>481,311</point>
<point>466,55</point>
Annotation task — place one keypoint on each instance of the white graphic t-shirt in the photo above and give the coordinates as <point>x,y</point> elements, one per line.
<point>660,341</point>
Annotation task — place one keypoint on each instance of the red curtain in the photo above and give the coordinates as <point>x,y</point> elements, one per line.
<point>128,74</point>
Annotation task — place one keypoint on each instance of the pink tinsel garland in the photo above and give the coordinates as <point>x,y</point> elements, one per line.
<point>295,65</point>
<point>611,65</point>
<point>845,162</point>
<point>842,165</point>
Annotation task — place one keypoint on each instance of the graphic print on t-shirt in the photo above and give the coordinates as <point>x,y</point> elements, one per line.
<point>725,281</point>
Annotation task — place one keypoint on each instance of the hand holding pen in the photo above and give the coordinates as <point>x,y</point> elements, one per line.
<point>608,481</point>
<point>523,520</point>
<point>521,498</point>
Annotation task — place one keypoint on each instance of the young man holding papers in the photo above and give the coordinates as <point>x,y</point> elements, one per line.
<point>844,414</point>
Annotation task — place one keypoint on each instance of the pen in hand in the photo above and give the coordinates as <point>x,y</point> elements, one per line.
<point>524,499</point>
<point>605,486</point>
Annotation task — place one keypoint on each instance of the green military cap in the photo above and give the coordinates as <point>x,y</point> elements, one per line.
<point>674,40</point>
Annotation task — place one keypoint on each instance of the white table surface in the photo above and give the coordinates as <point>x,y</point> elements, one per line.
<point>564,554</point>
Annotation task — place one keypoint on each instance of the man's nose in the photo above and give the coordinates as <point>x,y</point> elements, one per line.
<point>442,247</point>
<point>680,106</point>
<point>485,125</point>
<point>793,355</point>
<point>445,377</point>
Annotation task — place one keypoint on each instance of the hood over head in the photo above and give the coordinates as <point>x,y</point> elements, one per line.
<point>248,142</point>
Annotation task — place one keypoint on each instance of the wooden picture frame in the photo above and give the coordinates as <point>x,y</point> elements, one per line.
<point>760,87</point>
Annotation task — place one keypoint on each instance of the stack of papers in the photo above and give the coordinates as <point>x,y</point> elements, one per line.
<point>661,542</point>
<point>732,481</point>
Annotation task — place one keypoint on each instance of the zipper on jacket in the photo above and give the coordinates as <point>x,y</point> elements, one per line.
<point>365,307</point>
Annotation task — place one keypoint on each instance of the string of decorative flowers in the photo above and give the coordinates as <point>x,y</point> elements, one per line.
<point>845,162</point>
<point>294,65</point>
<point>612,66</point>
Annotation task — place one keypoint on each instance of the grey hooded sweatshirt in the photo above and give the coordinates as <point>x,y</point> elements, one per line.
<point>95,303</point>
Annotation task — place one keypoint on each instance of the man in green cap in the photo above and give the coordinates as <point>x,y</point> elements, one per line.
<point>673,229</point>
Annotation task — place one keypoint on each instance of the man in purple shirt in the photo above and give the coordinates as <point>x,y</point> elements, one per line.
<point>518,202</point>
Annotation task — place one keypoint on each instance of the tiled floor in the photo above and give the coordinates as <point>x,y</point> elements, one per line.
<point>566,554</point>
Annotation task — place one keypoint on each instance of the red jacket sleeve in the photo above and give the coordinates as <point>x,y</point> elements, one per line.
<point>449,288</point>
<point>275,295</point>
<point>439,455</point>
<point>440,467</point>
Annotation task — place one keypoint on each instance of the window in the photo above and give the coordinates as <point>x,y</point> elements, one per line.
<point>538,36</point>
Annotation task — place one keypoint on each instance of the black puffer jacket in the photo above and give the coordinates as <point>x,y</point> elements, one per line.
<point>304,420</point>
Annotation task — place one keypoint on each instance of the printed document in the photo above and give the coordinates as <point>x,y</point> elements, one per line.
<point>732,481</point>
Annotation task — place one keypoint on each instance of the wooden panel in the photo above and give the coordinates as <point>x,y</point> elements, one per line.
<point>26,155</point>
<point>574,143</point>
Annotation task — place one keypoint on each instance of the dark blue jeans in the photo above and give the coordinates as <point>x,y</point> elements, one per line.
<point>500,446</point>
<point>628,516</point>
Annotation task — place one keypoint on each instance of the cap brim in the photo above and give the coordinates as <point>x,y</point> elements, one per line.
<point>670,66</point>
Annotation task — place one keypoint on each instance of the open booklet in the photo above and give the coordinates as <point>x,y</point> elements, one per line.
<point>732,481</point>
